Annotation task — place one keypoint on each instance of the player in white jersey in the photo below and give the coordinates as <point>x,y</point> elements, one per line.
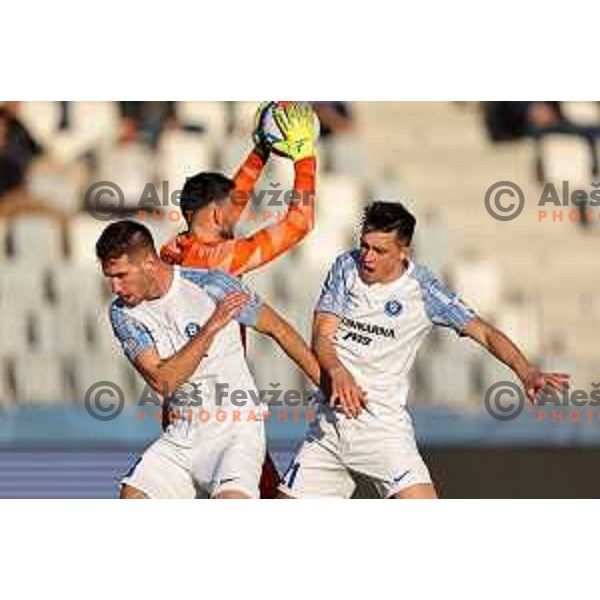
<point>375,309</point>
<point>177,326</point>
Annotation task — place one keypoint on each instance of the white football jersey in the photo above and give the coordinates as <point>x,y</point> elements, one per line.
<point>383,325</point>
<point>169,322</point>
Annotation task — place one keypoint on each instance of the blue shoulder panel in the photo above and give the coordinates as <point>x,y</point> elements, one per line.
<point>335,291</point>
<point>133,335</point>
<point>443,307</point>
<point>217,284</point>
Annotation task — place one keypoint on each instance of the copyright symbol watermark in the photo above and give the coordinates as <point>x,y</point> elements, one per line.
<point>504,401</point>
<point>504,200</point>
<point>104,401</point>
<point>103,200</point>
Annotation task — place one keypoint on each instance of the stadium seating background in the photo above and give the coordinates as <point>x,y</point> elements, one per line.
<point>534,279</point>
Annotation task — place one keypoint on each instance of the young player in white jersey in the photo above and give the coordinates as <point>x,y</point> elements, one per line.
<point>177,326</point>
<point>375,309</point>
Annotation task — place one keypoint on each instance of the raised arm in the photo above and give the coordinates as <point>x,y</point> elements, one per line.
<point>448,310</point>
<point>249,253</point>
<point>272,324</point>
<point>245,179</point>
<point>505,350</point>
<point>242,255</point>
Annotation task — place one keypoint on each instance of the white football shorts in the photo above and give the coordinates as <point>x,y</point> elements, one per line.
<point>380,448</point>
<point>215,457</point>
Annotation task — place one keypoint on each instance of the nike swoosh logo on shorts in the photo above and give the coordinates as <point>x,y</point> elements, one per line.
<point>401,477</point>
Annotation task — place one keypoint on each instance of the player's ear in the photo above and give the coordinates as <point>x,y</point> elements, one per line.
<point>218,214</point>
<point>403,246</point>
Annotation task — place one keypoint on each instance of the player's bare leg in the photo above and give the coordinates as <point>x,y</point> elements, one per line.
<point>282,496</point>
<point>231,495</point>
<point>269,479</point>
<point>421,491</point>
<point>128,492</point>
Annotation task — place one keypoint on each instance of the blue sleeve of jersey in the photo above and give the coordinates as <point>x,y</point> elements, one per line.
<point>217,284</point>
<point>134,336</point>
<point>334,293</point>
<point>443,307</point>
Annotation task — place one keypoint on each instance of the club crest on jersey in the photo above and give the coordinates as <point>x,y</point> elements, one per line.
<point>392,308</point>
<point>192,329</point>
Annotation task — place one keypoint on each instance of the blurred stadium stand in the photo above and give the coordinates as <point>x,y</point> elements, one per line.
<point>536,280</point>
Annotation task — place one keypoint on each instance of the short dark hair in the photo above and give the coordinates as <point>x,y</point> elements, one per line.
<point>388,217</point>
<point>202,189</point>
<point>124,237</point>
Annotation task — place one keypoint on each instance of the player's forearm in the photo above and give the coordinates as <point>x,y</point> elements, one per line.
<point>297,349</point>
<point>245,179</point>
<point>174,371</point>
<point>298,220</point>
<point>304,191</point>
<point>269,243</point>
<point>326,354</point>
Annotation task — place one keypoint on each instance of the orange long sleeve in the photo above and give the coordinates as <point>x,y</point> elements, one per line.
<point>242,255</point>
<point>245,179</point>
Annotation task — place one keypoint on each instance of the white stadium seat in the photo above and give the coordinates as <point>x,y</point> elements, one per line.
<point>182,154</point>
<point>129,166</point>
<point>46,338</point>
<point>521,322</point>
<point>339,200</point>
<point>325,243</point>
<point>479,282</point>
<point>60,187</point>
<point>243,116</point>
<point>210,116</point>
<point>94,368</point>
<point>22,286</point>
<point>41,119</point>
<point>98,120</point>
<point>82,234</point>
<point>103,338</point>
<point>304,283</point>
<point>15,325</point>
<point>450,377</point>
<point>92,125</point>
<point>493,371</point>
<point>73,329</point>
<point>271,367</point>
<point>40,380</point>
<point>232,152</point>
<point>581,113</point>
<point>346,156</point>
<point>567,158</point>
<point>37,239</point>
<point>66,331</point>
<point>74,285</point>
<point>432,245</point>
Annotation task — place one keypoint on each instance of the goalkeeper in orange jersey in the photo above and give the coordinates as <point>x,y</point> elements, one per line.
<point>212,205</point>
